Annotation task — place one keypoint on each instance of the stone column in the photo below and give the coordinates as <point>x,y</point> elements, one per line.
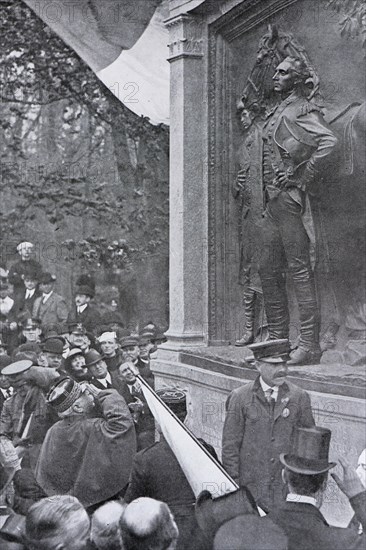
<point>188,308</point>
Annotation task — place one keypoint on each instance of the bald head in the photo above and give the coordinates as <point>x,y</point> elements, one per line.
<point>148,524</point>
<point>105,526</point>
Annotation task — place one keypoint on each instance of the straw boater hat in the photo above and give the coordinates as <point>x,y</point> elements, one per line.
<point>310,452</point>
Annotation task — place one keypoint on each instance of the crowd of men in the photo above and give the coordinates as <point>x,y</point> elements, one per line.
<point>84,465</point>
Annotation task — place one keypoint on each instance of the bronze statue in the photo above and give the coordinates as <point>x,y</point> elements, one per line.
<point>296,143</point>
<point>247,190</point>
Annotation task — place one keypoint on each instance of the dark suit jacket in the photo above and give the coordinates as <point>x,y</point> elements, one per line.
<point>307,529</point>
<point>53,312</point>
<point>157,474</point>
<point>255,434</point>
<point>23,307</point>
<point>90,317</point>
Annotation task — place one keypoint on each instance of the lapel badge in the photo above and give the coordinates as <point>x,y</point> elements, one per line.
<point>285,400</point>
<point>285,413</point>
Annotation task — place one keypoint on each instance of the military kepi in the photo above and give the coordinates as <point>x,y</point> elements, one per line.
<point>63,394</point>
<point>271,351</point>
<point>175,399</point>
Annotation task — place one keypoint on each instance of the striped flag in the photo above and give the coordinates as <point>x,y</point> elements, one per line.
<point>202,471</point>
<point>123,41</point>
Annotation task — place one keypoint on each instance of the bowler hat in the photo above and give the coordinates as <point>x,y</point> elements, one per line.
<point>47,278</point>
<point>53,345</point>
<point>249,532</point>
<point>271,351</point>
<point>63,394</point>
<point>310,452</point>
<point>29,346</point>
<point>92,357</point>
<point>212,513</point>
<point>85,289</point>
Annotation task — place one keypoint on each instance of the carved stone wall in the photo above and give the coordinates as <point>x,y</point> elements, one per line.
<point>232,48</point>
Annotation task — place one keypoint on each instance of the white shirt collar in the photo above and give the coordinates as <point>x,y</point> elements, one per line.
<point>45,297</point>
<point>106,380</point>
<point>29,293</point>
<point>293,497</point>
<point>4,392</point>
<point>266,387</point>
<point>80,309</point>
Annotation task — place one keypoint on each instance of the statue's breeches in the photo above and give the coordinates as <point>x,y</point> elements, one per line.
<point>285,248</point>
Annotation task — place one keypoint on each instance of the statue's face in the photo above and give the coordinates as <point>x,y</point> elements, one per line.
<point>284,78</point>
<point>246,119</point>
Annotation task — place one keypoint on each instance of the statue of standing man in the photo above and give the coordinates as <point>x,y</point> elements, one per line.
<point>296,140</point>
<point>247,190</point>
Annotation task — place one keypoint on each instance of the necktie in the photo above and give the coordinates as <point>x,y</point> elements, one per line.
<point>269,396</point>
<point>27,295</point>
<point>79,309</point>
<point>8,393</point>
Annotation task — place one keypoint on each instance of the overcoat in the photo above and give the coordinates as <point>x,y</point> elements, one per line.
<point>89,458</point>
<point>157,474</point>
<point>53,312</point>
<point>256,433</point>
<point>307,529</point>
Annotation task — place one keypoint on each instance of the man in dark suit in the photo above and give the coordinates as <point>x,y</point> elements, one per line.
<point>27,264</point>
<point>261,418</point>
<point>132,392</point>
<point>26,297</point>
<point>6,390</point>
<point>306,473</point>
<point>157,474</point>
<point>83,312</point>
<point>50,308</point>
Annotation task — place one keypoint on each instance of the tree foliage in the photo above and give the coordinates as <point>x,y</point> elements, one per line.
<point>353,22</point>
<point>71,149</point>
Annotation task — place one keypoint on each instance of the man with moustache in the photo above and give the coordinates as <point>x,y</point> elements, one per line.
<point>261,419</point>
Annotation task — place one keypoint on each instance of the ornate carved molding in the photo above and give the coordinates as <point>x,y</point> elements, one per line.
<point>185,37</point>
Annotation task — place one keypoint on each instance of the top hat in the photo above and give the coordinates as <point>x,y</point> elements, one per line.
<point>175,399</point>
<point>131,340</point>
<point>63,394</point>
<point>271,351</point>
<point>249,532</point>
<point>47,278</point>
<point>85,289</point>
<point>212,513</point>
<point>53,345</point>
<point>92,357</point>
<point>310,452</point>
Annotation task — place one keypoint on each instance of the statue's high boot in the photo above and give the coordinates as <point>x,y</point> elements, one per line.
<point>275,304</point>
<point>249,300</point>
<point>308,351</point>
